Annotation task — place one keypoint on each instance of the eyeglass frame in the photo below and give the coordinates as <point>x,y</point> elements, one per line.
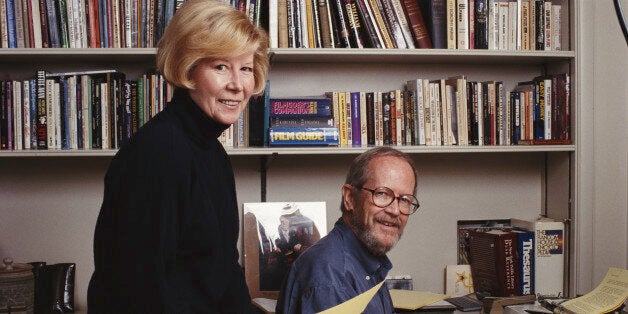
<point>394,197</point>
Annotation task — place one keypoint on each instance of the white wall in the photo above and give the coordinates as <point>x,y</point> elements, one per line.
<point>610,245</point>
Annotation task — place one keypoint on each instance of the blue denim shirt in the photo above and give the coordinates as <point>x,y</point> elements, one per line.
<point>335,269</point>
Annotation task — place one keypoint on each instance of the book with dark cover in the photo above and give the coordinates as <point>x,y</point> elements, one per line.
<point>42,116</point>
<point>258,118</point>
<point>370,118</point>
<point>300,106</point>
<point>43,16</point>
<point>301,121</point>
<point>420,32</point>
<point>539,24</point>
<point>64,112</point>
<point>393,118</point>
<point>324,22</point>
<point>386,113</point>
<point>342,23</point>
<point>62,20</point>
<point>11,23</point>
<point>355,24</point>
<point>494,268</point>
<point>372,37</point>
<point>297,136</point>
<point>53,24</point>
<point>481,24</point>
<point>438,22</point>
<point>525,255</point>
<point>4,119</point>
<point>355,119</point>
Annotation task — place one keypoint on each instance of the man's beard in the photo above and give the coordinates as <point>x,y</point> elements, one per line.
<point>369,238</point>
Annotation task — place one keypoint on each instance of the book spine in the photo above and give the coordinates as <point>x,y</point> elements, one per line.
<point>355,119</point>
<point>393,24</point>
<point>325,27</point>
<point>295,106</point>
<point>302,121</point>
<point>462,24</point>
<point>525,255</point>
<point>481,24</point>
<point>11,24</point>
<point>42,116</point>
<point>368,22</point>
<point>417,23</point>
<point>355,25</point>
<point>342,24</point>
<point>303,136</point>
<point>380,23</point>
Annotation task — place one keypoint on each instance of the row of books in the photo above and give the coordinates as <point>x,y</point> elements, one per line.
<point>84,23</point>
<point>82,110</point>
<point>102,109</point>
<point>445,24</point>
<point>516,257</point>
<point>452,24</point>
<point>451,111</point>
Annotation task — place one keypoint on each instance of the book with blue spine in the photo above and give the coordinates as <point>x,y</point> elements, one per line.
<point>307,136</point>
<point>305,106</point>
<point>525,254</point>
<point>355,119</point>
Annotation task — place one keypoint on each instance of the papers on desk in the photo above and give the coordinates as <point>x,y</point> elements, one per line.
<point>609,295</point>
<point>412,300</point>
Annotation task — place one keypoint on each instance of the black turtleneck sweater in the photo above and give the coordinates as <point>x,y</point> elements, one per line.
<point>166,236</point>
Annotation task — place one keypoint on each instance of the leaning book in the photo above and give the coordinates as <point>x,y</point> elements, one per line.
<point>275,234</point>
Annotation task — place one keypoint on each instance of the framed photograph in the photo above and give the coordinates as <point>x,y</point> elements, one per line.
<point>275,234</point>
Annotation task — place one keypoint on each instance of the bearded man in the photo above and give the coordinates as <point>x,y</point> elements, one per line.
<point>377,199</point>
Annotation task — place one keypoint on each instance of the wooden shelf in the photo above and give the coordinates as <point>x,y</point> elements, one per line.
<point>267,151</point>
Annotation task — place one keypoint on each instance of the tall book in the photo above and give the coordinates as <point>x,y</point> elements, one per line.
<point>342,23</point>
<point>419,29</point>
<point>493,256</point>
<point>438,23</point>
<point>549,254</point>
<point>462,24</point>
<point>481,24</point>
<point>525,255</point>
<point>355,24</point>
<point>42,116</point>
<point>452,30</point>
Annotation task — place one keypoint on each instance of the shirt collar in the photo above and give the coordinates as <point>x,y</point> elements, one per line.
<point>371,263</point>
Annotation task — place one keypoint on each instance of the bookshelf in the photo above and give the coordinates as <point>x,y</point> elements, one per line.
<point>52,198</point>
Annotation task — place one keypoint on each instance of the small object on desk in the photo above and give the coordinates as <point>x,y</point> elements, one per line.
<point>466,303</point>
<point>533,308</point>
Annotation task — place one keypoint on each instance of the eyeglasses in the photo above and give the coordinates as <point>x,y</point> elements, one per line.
<point>383,196</point>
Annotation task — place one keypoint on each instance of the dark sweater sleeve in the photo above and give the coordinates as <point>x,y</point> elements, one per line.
<point>136,234</point>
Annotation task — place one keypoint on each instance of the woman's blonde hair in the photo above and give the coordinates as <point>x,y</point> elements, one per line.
<point>203,29</point>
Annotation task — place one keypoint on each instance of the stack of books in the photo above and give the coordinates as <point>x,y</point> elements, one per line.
<point>301,121</point>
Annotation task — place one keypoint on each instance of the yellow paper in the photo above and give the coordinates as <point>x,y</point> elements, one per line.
<point>412,300</point>
<point>354,305</point>
<point>609,295</point>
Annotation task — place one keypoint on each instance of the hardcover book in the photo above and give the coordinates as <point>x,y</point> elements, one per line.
<point>549,254</point>
<point>494,264</point>
<point>275,234</point>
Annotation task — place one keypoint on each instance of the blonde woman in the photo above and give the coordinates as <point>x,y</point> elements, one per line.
<point>165,238</point>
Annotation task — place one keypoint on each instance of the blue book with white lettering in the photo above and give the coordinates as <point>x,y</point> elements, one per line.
<point>525,254</point>
<point>306,136</point>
